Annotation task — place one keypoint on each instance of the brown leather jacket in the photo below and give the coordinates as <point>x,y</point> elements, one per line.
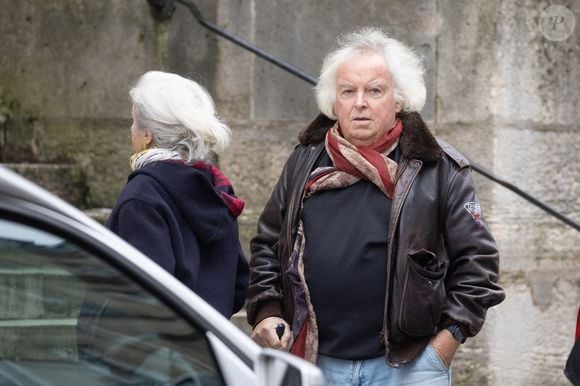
<point>442,257</point>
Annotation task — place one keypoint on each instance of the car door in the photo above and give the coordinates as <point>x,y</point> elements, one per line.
<point>72,313</point>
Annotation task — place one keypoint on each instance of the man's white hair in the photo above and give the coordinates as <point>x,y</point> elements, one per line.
<point>404,64</point>
<point>180,115</point>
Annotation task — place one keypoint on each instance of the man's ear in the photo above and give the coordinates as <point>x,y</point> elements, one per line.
<point>398,106</point>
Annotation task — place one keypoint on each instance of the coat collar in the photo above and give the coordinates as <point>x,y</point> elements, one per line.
<point>417,142</point>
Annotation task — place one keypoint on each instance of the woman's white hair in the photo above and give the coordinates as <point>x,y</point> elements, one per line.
<point>179,114</point>
<point>404,64</point>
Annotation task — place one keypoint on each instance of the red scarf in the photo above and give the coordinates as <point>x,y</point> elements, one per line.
<point>352,163</point>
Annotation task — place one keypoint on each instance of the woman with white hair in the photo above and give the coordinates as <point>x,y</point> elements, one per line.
<point>372,247</point>
<point>178,208</point>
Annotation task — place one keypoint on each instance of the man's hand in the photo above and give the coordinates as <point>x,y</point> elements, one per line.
<point>445,346</point>
<point>264,333</point>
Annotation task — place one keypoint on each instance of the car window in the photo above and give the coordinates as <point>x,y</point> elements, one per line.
<point>69,317</point>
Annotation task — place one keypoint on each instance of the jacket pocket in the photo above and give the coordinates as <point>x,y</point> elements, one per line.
<point>423,294</point>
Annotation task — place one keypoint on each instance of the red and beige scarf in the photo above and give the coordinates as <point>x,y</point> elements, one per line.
<point>352,163</point>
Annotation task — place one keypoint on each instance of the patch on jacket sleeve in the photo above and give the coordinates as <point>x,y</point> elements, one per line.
<point>474,210</point>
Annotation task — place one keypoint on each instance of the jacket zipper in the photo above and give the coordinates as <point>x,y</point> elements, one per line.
<point>294,210</point>
<point>392,226</point>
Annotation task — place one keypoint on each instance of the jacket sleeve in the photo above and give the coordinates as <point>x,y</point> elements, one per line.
<point>241,288</point>
<point>265,291</point>
<point>143,226</point>
<point>473,257</point>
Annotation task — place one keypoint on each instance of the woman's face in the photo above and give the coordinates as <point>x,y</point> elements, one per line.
<point>140,139</point>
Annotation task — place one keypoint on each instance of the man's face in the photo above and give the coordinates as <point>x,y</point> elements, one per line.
<point>365,104</point>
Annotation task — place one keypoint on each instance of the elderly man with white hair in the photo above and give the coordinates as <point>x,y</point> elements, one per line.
<point>372,250</point>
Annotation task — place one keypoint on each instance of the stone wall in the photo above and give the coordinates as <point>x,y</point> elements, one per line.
<point>500,88</point>
<point>65,71</point>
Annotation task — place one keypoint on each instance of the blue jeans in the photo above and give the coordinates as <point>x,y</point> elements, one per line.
<point>426,370</point>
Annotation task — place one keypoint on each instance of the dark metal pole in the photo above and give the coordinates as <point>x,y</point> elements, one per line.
<point>524,195</point>
<point>248,45</point>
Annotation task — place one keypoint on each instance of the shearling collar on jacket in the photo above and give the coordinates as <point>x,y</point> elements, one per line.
<point>417,142</point>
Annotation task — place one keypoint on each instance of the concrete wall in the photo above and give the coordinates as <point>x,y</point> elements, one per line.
<point>501,88</point>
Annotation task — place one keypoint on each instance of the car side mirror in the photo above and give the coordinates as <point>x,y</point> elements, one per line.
<point>278,368</point>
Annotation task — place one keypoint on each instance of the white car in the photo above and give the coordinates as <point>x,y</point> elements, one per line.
<point>79,306</point>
